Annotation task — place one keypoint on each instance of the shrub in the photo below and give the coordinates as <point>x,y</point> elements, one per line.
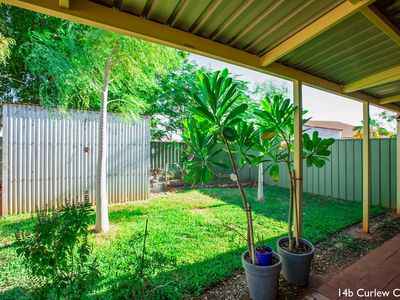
<point>57,253</point>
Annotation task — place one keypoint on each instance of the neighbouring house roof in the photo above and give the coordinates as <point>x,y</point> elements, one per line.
<point>347,131</point>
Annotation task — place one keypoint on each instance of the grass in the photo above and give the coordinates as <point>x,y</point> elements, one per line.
<point>192,226</point>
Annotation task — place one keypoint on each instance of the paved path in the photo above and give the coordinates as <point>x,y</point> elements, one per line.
<point>377,272</point>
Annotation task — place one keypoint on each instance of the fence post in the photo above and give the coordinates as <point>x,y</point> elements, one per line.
<point>298,151</point>
<point>366,167</point>
<point>4,165</point>
<point>398,163</point>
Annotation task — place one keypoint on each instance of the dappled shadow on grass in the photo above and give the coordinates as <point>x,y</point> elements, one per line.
<point>122,215</point>
<point>13,294</point>
<point>177,227</point>
<point>188,280</point>
<point>321,215</point>
<point>10,225</point>
<point>274,207</point>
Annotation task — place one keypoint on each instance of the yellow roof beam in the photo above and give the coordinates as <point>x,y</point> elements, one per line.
<point>392,99</point>
<point>336,15</point>
<point>93,14</point>
<point>380,78</point>
<point>64,3</point>
<point>383,23</point>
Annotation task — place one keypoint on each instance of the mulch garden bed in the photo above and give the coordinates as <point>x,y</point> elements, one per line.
<point>332,255</point>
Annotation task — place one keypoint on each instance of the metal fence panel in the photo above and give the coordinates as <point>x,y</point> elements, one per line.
<point>341,177</point>
<point>49,157</point>
<point>164,154</point>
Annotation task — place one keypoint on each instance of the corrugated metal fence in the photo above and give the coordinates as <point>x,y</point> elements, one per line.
<point>48,158</point>
<point>164,154</point>
<point>341,177</point>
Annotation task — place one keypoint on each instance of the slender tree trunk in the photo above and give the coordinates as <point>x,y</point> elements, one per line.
<point>290,217</point>
<point>295,210</point>
<point>246,206</point>
<point>102,223</point>
<point>290,221</point>
<point>260,189</point>
<point>260,186</point>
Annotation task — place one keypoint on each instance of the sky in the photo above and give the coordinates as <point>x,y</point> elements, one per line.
<point>320,105</point>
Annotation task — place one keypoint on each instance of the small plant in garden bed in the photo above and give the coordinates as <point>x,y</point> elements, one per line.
<point>57,253</point>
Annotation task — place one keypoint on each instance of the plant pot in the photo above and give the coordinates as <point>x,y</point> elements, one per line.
<point>296,267</point>
<point>264,258</point>
<point>158,187</point>
<point>262,281</point>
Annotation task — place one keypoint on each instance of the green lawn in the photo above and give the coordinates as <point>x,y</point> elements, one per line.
<point>191,226</point>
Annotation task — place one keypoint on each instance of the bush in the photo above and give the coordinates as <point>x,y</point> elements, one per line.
<point>57,253</point>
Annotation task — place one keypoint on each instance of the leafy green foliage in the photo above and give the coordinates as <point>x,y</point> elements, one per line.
<point>247,141</point>
<point>215,104</point>
<point>276,122</point>
<point>377,130</point>
<point>270,88</point>
<point>5,45</point>
<point>217,112</point>
<point>315,150</point>
<point>171,103</point>
<point>17,83</point>
<point>70,63</point>
<point>60,64</point>
<point>57,252</point>
<point>201,151</point>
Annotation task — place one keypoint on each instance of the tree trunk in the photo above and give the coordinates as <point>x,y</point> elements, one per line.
<point>260,186</point>
<point>246,206</point>
<point>295,210</point>
<point>260,190</point>
<point>102,223</point>
<point>291,200</point>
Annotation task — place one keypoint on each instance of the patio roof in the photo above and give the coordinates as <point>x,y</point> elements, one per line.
<point>351,47</point>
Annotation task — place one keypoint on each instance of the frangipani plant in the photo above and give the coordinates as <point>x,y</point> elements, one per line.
<point>376,130</point>
<point>217,125</point>
<point>276,123</point>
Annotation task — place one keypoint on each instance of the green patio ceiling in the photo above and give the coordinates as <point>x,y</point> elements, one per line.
<point>348,51</point>
<point>351,50</point>
<point>387,90</point>
<point>253,26</point>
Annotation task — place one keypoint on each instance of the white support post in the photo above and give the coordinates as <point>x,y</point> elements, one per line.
<point>260,190</point>
<point>366,167</point>
<point>298,153</point>
<point>398,163</point>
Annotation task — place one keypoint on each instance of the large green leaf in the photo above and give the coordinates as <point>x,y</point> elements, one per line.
<point>229,133</point>
<point>236,112</point>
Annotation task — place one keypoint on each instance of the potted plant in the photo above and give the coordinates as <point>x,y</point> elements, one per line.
<point>276,123</point>
<point>216,125</point>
